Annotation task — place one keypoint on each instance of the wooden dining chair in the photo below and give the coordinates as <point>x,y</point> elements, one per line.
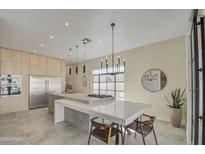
<point>102,131</point>
<point>144,127</point>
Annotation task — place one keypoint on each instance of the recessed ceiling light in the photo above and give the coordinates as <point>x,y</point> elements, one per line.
<point>42,45</point>
<point>99,41</point>
<point>66,24</point>
<point>51,36</point>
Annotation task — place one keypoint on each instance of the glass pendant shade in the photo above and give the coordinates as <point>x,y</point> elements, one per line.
<point>70,71</point>
<point>76,69</point>
<point>84,69</point>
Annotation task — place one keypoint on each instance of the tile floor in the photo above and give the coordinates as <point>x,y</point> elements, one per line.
<point>37,127</point>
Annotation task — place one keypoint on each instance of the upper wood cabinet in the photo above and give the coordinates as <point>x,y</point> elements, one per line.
<point>10,55</point>
<point>16,62</point>
<point>25,58</point>
<point>11,61</point>
<point>41,65</point>
<point>38,64</point>
<point>38,60</point>
<point>0,59</point>
<point>6,55</point>
<point>53,67</point>
<point>0,53</point>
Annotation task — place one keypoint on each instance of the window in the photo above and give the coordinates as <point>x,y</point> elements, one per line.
<point>107,84</point>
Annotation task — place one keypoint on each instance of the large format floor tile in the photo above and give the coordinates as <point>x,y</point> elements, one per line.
<point>37,127</point>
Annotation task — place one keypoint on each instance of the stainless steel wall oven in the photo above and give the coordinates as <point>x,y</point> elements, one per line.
<point>10,84</point>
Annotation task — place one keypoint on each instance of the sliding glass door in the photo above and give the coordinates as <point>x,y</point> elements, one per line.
<point>197,79</point>
<point>203,76</point>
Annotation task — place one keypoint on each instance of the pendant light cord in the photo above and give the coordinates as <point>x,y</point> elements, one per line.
<point>68,62</point>
<point>84,52</point>
<point>76,54</point>
<point>70,56</point>
<point>113,59</point>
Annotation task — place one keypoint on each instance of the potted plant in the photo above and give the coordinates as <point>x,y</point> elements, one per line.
<point>175,106</point>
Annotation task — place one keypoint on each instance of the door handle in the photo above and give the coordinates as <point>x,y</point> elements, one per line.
<point>46,86</point>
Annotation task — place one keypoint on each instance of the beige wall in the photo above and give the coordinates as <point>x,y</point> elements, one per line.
<point>168,56</point>
<point>25,64</point>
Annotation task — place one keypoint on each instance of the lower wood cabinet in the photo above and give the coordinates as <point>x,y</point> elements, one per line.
<point>10,104</point>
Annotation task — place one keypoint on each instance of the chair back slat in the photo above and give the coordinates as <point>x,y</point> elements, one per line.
<point>98,125</point>
<point>102,130</point>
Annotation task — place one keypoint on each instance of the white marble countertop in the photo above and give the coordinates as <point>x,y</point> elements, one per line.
<point>121,112</point>
<point>80,97</point>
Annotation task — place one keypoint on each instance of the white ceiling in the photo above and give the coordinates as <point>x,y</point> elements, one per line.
<point>27,29</point>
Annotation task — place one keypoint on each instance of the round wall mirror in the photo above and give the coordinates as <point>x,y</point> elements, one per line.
<point>154,80</point>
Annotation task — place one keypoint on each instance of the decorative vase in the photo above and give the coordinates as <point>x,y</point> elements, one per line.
<point>176,116</point>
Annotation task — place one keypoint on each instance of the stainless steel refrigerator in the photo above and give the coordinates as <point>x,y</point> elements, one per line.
<point>40,87</point>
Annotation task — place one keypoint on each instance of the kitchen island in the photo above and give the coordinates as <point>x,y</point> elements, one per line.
<point>81,97</point>
<point>80,112</point>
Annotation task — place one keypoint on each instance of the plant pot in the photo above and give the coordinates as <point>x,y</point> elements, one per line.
<point>176,116</point>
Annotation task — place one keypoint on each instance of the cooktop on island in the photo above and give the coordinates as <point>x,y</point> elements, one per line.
<point>99,96</point>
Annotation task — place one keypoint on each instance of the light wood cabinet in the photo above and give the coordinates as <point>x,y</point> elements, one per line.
<point>25,58</point>
<point>11,68</point>
<point>25,92</point>
<point>10,104</point>
<point>63,74</point>
<point>11,55</point>
<point>25,69</point>
<point>38,65</point>
<point>16,68</point>
<point>53,67</point>
<point>11,62</point>
<point>16,56</point>
<point>33,59</point>
<point>6,55</point>
<point>37,60</point>
<point>0,62</point>
<point>0,54</point>
<point>6,67</point>
<point>15,103</point>
<point>26,64</point>
<point>38,70</point>
<point>4,105</point>
<point>42,60</point>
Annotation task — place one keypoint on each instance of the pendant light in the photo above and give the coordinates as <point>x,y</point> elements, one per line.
<point>84,67</point>
<point>70,70</point>
<point>116,69</point>
<point>76,68</point>
<point>113,58</point>
<point>84,79</point>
